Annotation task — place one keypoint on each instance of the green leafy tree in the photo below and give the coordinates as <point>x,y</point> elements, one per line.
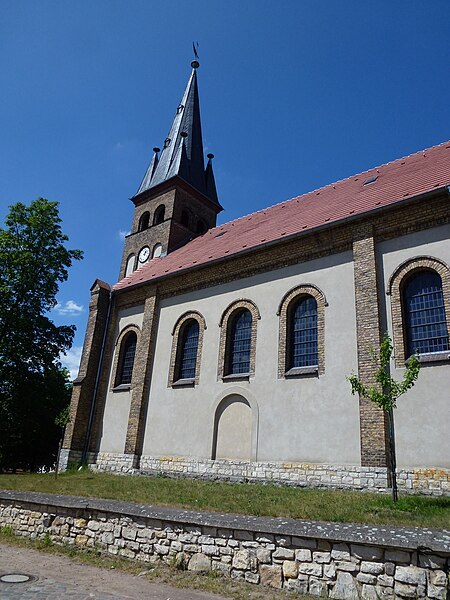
<point>33,386</point>
<point>386,392</point>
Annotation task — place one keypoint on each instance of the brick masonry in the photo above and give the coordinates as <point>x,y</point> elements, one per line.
<point>331,560</point>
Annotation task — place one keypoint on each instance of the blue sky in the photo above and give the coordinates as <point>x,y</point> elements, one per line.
<point>294,95</point>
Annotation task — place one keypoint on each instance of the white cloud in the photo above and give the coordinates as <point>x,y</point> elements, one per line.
<point>123,234</point>
<point>71,360</point>
<point>69,308</point>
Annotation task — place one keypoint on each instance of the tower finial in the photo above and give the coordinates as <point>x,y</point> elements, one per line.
<point>195,64</point>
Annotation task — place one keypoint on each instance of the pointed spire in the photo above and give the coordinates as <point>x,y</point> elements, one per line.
<point>210,182</point>
<point>150,171</point>
<point>182,153</point>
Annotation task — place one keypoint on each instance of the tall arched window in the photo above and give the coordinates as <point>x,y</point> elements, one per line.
<point>187,350</point>
<point>239,340</point>
<point>126,359</point>
<point>302,331</point>
<point>425,323</point>
<point>144,221</point>
<point>159,215</point>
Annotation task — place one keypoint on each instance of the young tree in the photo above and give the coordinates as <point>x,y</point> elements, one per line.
<point>386,393</point>
<point>33,385</point>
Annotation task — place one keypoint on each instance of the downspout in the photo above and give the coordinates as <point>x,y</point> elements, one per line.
<point>97,381</point>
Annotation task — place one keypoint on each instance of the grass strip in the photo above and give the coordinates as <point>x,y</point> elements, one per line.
<point>243,498</point>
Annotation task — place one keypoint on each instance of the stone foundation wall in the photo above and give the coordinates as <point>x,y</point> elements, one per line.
<point>434,482</point>
<point>322,559</point>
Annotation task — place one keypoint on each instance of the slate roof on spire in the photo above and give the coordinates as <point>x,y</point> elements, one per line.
<point>182,153</point>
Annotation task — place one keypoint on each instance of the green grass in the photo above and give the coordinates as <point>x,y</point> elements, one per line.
<point>252,499</point>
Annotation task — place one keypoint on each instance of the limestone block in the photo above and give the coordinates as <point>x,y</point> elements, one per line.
<point>366,578</point>
<point>161,550</point>
<point>437,593</point>
<point>385,593</point>
<point>317,587</point>
<point>405,590</point>
<point>321,557</point>
<point>310,569</point>
<point>389,568</point>
<point>237,574</point>
<point>369,592</point>
<point>340,552</point>
<point>222,568</point>
<point>344,588</point>
<point>283,554</point>
<point>411,575</point>
<point>430,561</point>
<point>263,555</point>
<point>199,563</point>
<point>81,540</point>
<point>329,571</point>
<point>303,555</point>
<point>241,560</point>
<point>145,534</point>
<point>210,550</point>
<point>127,553</point>
<point>373,568</point>
<point>271,576</point>
<point>290,569</point>
<point>92,525</point>
<point>80,523</point>
<point>385,580</point>
<point>438,578</point>
<point>176,546</point>
<point>343,565</point>
<point>252,577</point>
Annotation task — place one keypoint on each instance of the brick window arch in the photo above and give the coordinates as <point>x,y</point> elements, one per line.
<point>124,356</point>
<point>144,221</point>
<point>237,346</point>
<point>158,217</point>
<point>420,309</point>
<point>301,342</point>
<point>187,344</point>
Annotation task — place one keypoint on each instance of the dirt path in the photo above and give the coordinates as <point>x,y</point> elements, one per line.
<point>59,577</point>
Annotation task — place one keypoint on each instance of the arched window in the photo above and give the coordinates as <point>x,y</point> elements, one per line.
<point>159,215</point>
<point>187,350</point>
<point>240,338</point>
<point>425,323</point>
<point>185,218</point>
<point>201,227</point>
<point>302,332</point>
<point>130,265</point>
<point>157,251</point>
<point>126,359</point>
<point>144,221</point>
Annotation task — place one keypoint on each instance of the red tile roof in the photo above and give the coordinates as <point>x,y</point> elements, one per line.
<point>395,182</point>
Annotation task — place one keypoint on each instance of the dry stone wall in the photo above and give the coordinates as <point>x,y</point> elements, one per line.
<point>321,559</point>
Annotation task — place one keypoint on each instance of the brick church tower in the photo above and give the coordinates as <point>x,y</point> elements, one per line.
<point>177,199</point>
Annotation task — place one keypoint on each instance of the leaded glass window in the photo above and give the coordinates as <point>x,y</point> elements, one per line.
<point>126,361</point>
<point>303,333</point>
<point>240,343</point>
<point>188,350</point>
<point>426,327</point>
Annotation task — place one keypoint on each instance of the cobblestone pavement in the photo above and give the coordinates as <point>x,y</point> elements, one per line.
<point>58,578</point>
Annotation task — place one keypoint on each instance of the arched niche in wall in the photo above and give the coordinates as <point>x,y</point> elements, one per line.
<point>130,264</point>
<point>159,214</point>
<point>144,221</point>
<point>157,251</point>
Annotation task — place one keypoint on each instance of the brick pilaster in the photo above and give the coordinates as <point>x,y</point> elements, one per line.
<point>141,378</point>
<point>84,384</point>
<point>372,419</point>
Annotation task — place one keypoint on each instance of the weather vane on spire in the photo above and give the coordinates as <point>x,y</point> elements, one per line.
<point>195,64</point>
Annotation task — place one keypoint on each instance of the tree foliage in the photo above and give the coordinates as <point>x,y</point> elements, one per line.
<point>387,390</point>
<point>34,388</point>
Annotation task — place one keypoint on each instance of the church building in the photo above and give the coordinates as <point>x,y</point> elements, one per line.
<point>223,351</point>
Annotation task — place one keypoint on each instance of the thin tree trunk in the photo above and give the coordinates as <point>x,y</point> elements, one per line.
<point>392,455</point>
<point>59,454</point>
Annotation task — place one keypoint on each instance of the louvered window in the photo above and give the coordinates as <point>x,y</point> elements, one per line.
<point>188,350</point>
<point>426,327</point>
<point>303,333</point>
<point>240,343</point>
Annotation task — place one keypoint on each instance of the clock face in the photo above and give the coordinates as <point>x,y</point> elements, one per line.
<point>144,254</point>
